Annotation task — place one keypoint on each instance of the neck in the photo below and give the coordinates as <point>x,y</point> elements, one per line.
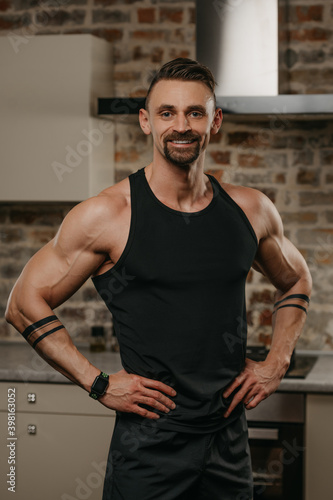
<point>186,189</point>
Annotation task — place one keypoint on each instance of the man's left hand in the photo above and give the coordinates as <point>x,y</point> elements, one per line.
<point>256,382</point>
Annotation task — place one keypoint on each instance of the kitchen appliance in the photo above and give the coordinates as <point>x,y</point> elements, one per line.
<point>276,438</point>
<point>239,42</point>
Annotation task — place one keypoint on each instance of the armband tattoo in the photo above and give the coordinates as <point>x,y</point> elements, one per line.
<point>41,329</point>
<point>300,296</point>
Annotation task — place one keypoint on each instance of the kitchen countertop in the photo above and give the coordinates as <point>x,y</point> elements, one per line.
<point>20,363</point>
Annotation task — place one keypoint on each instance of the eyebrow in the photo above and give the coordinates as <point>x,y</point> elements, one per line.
<point>171,107</point>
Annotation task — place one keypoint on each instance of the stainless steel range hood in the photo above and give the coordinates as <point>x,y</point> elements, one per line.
<point>238,41</point>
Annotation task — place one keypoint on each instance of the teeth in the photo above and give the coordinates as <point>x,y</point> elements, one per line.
<point>182,142</point>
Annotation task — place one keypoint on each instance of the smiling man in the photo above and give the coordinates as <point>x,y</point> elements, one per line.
<point>169,250</point>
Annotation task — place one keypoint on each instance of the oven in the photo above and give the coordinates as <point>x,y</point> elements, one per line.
<point>276,438</point>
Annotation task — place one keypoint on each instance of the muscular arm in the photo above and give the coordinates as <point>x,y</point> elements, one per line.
<point>52,275</point>
<point>282,263</point>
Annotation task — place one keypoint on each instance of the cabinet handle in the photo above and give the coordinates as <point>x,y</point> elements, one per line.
<point>32,429</point>
<point>263,433</point>
<point>31,397</point>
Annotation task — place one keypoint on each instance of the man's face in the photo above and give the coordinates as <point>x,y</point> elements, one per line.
<point>181,116</point>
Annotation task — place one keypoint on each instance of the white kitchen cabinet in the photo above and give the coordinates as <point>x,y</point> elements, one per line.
<point>52,146</point>
<point>62,442</point>
<point>319,446</point>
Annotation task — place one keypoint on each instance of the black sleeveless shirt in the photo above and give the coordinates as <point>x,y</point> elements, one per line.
<point>177,296</point>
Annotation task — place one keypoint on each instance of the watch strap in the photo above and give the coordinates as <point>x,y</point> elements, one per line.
<point>99,385</point>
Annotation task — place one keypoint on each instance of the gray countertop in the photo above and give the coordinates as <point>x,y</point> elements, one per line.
<point>20,363</point>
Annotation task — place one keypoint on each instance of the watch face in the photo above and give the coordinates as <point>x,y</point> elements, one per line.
<point>100,385</point>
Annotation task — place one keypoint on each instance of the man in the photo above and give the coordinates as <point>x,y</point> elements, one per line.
<point>169,250</point>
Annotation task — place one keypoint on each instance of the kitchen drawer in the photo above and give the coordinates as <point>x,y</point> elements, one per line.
<point>51,398</point>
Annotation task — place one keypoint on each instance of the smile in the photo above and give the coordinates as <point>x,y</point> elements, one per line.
<point>182,142</point>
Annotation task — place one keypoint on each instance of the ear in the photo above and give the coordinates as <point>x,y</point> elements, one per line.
<point>217,121</point>
<point>144,121</point>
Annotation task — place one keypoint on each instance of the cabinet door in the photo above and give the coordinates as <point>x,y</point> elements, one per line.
<point>319,446</point>
<point>65,459</point>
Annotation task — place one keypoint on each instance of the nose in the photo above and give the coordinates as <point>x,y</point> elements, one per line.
<point>181,123</point>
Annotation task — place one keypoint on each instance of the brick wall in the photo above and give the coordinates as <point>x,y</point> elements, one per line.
<point>292,162</point>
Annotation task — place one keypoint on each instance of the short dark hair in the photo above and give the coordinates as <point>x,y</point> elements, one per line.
<point>184,69</point>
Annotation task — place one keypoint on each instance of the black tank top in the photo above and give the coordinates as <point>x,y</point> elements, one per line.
<point>177,296</point>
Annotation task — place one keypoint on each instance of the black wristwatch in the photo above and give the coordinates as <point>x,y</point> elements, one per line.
<point>99,386</point>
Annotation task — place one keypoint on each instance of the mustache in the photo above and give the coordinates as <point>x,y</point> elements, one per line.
<point>187,136</point>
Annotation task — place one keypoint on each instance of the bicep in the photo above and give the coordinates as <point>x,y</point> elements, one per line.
<point>61,267</point>
<point>277,258</point>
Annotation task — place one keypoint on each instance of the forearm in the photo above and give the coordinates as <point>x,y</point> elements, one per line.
<point>36,321</point>
<point>289,317</point>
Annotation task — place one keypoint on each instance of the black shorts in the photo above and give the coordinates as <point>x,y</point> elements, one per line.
<point>148,463</point>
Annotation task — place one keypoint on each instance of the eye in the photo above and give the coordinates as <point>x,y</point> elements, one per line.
<point>196,114</point>
<point>166,114</point>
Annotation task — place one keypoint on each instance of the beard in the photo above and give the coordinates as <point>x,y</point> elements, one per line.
<point>178,156</point>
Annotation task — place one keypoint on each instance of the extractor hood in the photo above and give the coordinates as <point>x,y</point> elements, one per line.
<point>238,41</point>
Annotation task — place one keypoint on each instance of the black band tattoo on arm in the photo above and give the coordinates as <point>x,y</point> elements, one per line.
<point>300,296</point>
<point>41,329</point>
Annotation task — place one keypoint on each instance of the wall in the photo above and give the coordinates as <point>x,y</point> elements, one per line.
<point>292,162</point>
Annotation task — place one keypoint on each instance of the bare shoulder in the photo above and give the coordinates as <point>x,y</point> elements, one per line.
<point>92,220</point>
<point>109,203</point>
<point>259,209</point>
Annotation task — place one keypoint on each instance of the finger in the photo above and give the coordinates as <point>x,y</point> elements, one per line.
<point>145,413</point>
<point>154,404</point>
<point>240,396</point>
<point>160,386</point>
<point>158,396</point>
<point>236,383</point>
<point>253,402</point>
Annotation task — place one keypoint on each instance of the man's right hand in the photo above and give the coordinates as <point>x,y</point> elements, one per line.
<point>126,391</point>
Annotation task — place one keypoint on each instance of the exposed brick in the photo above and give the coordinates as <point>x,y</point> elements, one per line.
<point>192,19</point>
<point>126,156</point>
<point>107,3</point>
<point>148,35</point>
<point>276,159</point>
<point>248,139</point>
<point>110,35</point>
<point>11,270</point>
<point>329,178</point>
<point>294,218</point>
<point>60,17</point>
<point>216,138</point>
<point>14,21</point>
<point>321,238</point>
<point>302,14</point>
<point>309,35</point>
<point>174,15</point>
<point>146,15</point>
<point>315,198</point>
<point>304,157</point>
<point>250,160</point>
<point>10,234</point>
<point>296,141</point>
<point>41,236</point>
<point>326,157</point>
<point>265,317</point>
<point>308,177</point>
<point>126,76</point>
<point>312,56</point>
<point>110,16</point>
<point>329,215</point>
<point>221,157</point>
<point>262,296</point>
<point>173,53</point>
<point>5,5</point>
